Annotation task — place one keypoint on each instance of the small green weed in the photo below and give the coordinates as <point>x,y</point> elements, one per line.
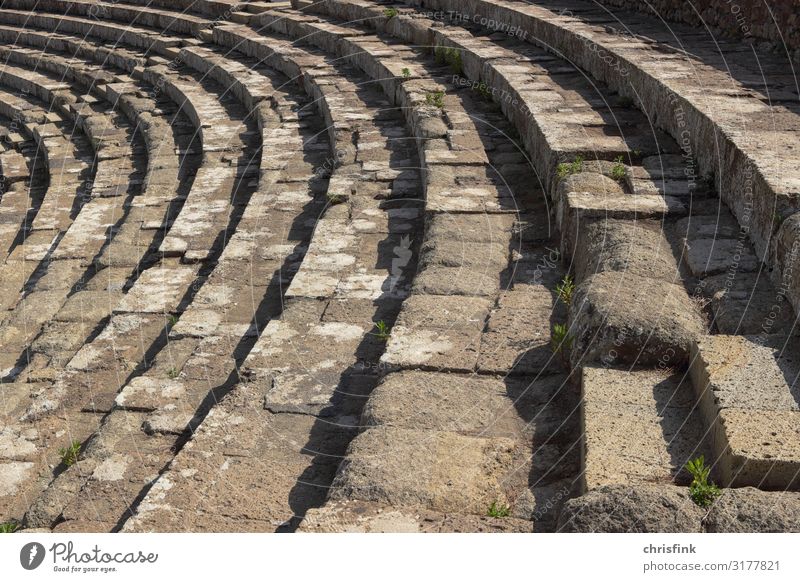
<point>384,331</point>
<point>173,373</point>
<point>9,527</point>
<point>561,342</point>
<point>334,199</point>
<point>498,509</point>
<point>565,290</point>
<point>565,169</point>
<point>449,56</point>
<point>406,73</point>
<point>702,491</point>
<point>390,13</point>
<point>435,99</point>
<point>69,455</point>
<point>618,170</point>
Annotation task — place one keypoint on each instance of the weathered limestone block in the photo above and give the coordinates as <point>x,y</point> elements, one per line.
<point>749,510</point>
<point>621,317</point>
<point>625,509</point>
<point>639,427</point>
<point>748,392</point>
<point>425,469</point>
<point>439,331</point>
<point>636,247</point>
<point>367,517</point>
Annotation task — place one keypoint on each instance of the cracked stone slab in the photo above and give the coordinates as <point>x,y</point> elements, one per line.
<point>471,405</point>
<point>517,340</point>
<point>147,393</point>
<point>237,471</point>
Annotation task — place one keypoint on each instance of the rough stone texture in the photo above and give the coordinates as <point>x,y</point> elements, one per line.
<point>440,332</point>
<point>714,244</point>
<point>640,509</point>
<point>576,210</point>
<point>470,405</point>
<point>364,517</point>
<point>747,391</point>
<point>620,317</point>
<point>635,247</point>
<point>749,510</point>
<point>215,275</point>
<point>668,431</point>
<point>750,21</point>
<point>425,469</point>
<point>758,181</point>
<point>517,337</point>
<point>747,304</point>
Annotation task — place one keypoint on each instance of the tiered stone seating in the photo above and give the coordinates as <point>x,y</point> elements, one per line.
<point>321,250</point>
<point>314,359</point>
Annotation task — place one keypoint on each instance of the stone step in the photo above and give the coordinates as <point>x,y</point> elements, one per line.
<point>170,21</point>
<point>366,517</point>
<point>203,352</point>
<point>759,185</point>
<point>308,361</point>
<point>639,428</point>
<point>747,391</point>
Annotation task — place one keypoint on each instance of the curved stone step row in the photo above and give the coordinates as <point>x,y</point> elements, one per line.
<point>610,244</point>
<point>204,213</point>
<point>141,38</point>
<point>136,236</point>
<point>305,379</point>
<point>215,8</point>
<point>103,207</point>
<point>659,243</point>
<point>67,209</point>
<point>719,260</point>
<point>183,16</point>
<point>155,412</point>
<point>70,162</point>
<point>23,181</point>
<point>167,131</point>
<point>561,119</point>
<point>696,92</point>
<point>168,21</point>
<point>454,296</point>
<point>152,277</point>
